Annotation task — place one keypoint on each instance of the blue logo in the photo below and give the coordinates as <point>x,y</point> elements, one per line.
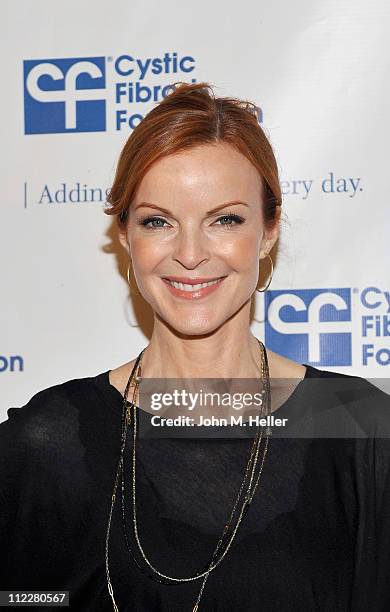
<point>310,325</point>
<point>64,95</point>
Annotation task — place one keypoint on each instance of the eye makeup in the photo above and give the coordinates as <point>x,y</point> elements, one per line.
<point>145,221</point>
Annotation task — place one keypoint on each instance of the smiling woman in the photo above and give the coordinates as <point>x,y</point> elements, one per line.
<point>209,520</point>
<point>198,202</point>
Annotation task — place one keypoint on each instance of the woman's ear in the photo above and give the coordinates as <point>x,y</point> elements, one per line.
<point>123,240</point>
<point>269,240</point>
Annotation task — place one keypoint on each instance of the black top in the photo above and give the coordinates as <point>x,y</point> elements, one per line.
<point>316,537</point>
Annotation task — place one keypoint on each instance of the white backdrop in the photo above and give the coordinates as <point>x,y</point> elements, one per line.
<point>317,70</point>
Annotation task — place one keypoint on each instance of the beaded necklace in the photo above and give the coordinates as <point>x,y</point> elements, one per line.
<point>129,416</point>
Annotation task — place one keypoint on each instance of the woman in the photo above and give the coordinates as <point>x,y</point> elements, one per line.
<point>197,199</point>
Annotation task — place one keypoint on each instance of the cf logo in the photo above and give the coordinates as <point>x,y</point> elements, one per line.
<point>70,95</point>
<point>314,326</point>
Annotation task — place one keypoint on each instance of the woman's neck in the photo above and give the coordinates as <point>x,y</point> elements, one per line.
<point>222,355</point>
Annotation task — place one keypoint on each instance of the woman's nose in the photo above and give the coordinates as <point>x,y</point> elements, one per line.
<point>191,247</point>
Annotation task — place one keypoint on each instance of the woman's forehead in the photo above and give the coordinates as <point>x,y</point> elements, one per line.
<point>210,171</point>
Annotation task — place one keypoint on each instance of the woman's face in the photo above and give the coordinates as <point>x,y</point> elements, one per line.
<point>175,231</point>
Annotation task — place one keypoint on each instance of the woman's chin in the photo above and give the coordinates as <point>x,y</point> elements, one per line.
<point>193,327</point>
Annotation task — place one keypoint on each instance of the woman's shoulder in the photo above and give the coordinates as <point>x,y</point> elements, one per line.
<point>361,403</point>
<point>52,409</point>
<point>359,387</point>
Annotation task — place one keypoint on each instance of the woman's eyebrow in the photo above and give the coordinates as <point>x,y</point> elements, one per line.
<point>210,212</point>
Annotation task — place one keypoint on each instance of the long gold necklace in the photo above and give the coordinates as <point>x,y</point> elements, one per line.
<point>129,415</point>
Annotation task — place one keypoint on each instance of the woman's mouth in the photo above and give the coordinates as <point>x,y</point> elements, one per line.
<point>190,291</point>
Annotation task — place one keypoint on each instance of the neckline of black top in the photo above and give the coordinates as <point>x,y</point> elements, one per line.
<point>292,404</point>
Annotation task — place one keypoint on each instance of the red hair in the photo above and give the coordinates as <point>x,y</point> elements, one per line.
<point>189,116</point>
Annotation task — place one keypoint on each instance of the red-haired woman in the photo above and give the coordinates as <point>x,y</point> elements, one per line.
<point>249,521</point>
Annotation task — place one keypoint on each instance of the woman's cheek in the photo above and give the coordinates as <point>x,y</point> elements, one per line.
<point>241,253</point>
<point>146,253</point>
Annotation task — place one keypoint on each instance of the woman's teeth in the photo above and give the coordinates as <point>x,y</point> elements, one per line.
<point>184,287</point>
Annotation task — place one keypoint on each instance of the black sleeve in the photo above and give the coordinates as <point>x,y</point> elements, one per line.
<point>381,476</point>
<point>11,466</point>
<point>378,531</point>
<point>41,475</point>
<point>16,467</point>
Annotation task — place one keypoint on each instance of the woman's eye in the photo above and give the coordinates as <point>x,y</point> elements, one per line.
<point>145,222</point>
<point>231,217</point>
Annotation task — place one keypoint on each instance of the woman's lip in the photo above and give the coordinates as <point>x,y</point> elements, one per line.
<point>191,281</point>
<point>193,295</point>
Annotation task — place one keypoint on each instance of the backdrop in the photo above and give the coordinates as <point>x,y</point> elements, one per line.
<point>79,76</point>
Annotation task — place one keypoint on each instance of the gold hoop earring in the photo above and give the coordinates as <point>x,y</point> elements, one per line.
<point>270,278</point>
<point>129,282</point>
